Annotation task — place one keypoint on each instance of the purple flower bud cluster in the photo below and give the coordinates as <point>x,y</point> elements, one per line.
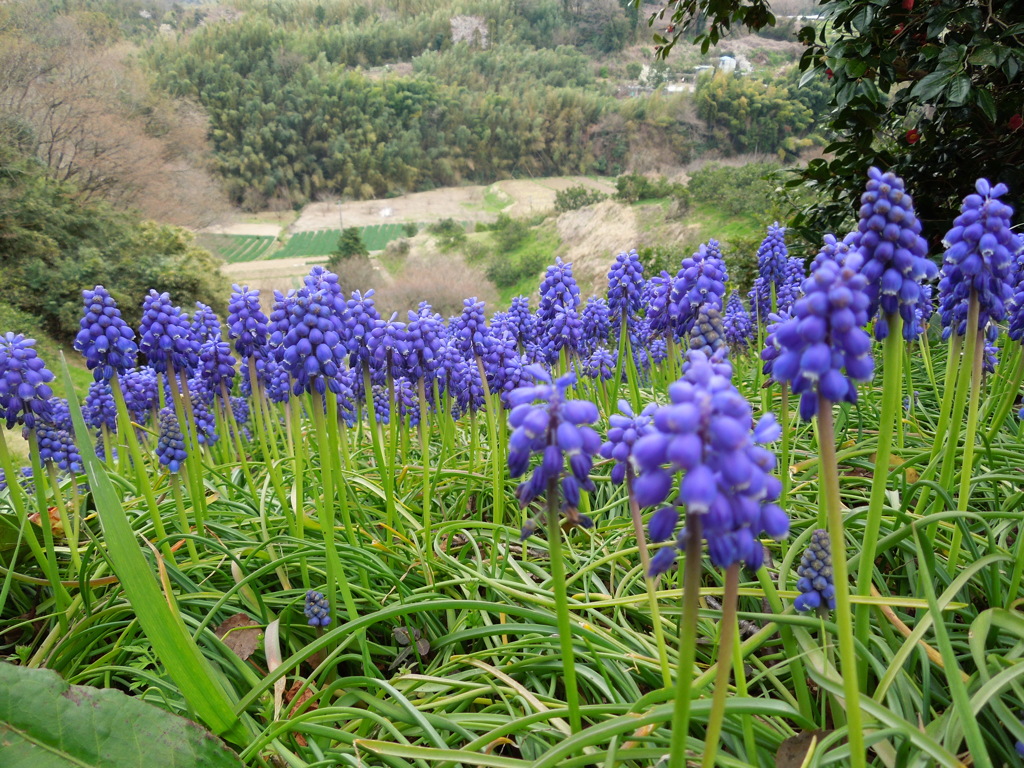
<point>424,334</point>
<point>558,321</point>
<point>895,256</point>
<point>202,400</point>
<point>471,329</point>
<point>556,429</point>
<point>105,340</point>
<point>60,414</point>
<point>99,409</point>
<point>308,336</point>
<point>140,392</point>
<point>772,350</point>
<point>166,337</point>
<point>503,365</point>
<point>600,364</point>
<point>980,254</point>
<point>24,382</point>
<point>57,446</point>
<point>772,260</point>
<point>597,323</point>
<point>389,348</point>
<point>826,336</point>
<point>817,582</point>
<point>247,324</point>
<point>739,327</point>
<point>170,446</point>
<point>707,334</point>
<point>661,313</point>
<point>205,324</point>
<point>700,283</point>
<point>789,288</point>
<point>625,288</point>
<point>834,249</point>
<point>359,319</point>
<point>317,609</point>
<point>216,364</point>
<point>706,433</point>
<point>521,319</point>
<point>625,428</point>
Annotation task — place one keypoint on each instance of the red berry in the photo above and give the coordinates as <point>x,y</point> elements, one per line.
<point>1015,122</point>
<point>828,74</point>
<point>913,136</point>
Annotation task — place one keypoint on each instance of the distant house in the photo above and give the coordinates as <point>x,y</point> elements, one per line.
<point>726,64</point>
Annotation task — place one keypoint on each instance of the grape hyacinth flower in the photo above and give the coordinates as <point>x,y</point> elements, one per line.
<point>140,392</point>
<point>789,288</point>
<point>166,337</point>
<point>558,321</point>
<point>772,260</point>
<point>57,447</point>
<point>625,288</point>
<point>24,382</point>
<point>625,428</point>
<point>825,336</point>
<point>600,364</point>
<point>99,409</point>
<point>707,334</point>
<point>521,319</point>
<point>247,324</point>
<point>895,256</point>
<point>170,447</point>
<point>217,365</point>
<point>105,340</point>
<point>470,329</point>
<point>707,432</point>
<point>308,333</point>
<point>205,324</point>
<point>597,323</point>
<point>771,350</point>
<point>60,414</point>
<point>980,255</point>
<point>317,610</point>
<point>817,585</point>
<point>557,430</point>
<point>359,319</point>
<point>700,282</point>
<point>388,346</point>
<point>739,327</point>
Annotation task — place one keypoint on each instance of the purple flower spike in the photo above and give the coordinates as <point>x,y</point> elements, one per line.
<point>24,382</point>
<point>980,253</point>
<point>317,610</point>
<point>247,324</point>
<point>205,324</point>
<point>558,321</point>
<point>521,320</point>
<point>707,432</point>
<point>471,329</point>
<point>895,256</point>
<point>823,349</point>
<point>140,392</point>
<point>739,327</point>
<point>597,323</point>
<point>600,364</point>
<point>772,262</point>
<point>817,583</point>
<point>170,447</point>
<point>700,283</point>
<point>625,288</point>
<point>105,340</point>
<point>309,335</point>
<point>625,429</point>
<point>99,408</point>
<point>217,366</point>
<point>556,429</point>
<point>707,334</point>
<point>166,335</point>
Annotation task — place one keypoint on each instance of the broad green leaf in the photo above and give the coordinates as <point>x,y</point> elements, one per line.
<point>986,103</point>
<point>47,723</point>
<point>959,89</point>
<point>931,85</point>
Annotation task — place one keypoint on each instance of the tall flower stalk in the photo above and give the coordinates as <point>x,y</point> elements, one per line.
<point>823,351</point>
<point>556,429</point>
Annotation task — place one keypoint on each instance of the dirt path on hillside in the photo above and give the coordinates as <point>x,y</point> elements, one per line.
<point>516,197</point>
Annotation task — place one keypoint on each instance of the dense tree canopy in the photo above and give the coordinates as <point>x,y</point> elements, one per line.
<point>931,89</point>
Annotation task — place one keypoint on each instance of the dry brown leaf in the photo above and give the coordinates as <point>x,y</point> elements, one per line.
<point>296,703</point>
<point>241,634</point>
<point>55,524</point>
<point>793,751</point>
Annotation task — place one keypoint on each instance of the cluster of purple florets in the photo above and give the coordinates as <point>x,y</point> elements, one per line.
<point>166,336</point>
<point>105,340</point>
<point>817,582</point>
<point>624,429</point>
<point>625,288</point>
<point>170,447</point>
<point>317,609</point>
<point>980,260</point>
<point>894,256</point>
<point>24,382</point>
<point>556,429</point>
<point>772,263</point>
<point>707,433</point>
<point>823,349</point>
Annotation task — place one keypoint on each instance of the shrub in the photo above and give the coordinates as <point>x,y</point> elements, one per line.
<point>633,187</point>
<point>449,233</point>
<point>575,197</point>
<point>509,233</point>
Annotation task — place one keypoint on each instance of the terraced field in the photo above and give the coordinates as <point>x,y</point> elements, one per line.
<point>323,242</point>
<point>236,248</point>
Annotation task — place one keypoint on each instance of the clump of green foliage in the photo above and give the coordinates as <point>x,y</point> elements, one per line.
<point>350,246</point>
<point>634,187</point>
<point>450,234</point>
<point>54,245</point>
<point>577,196</point>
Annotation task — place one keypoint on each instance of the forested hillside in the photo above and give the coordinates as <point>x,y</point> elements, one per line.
<point>365,100</point>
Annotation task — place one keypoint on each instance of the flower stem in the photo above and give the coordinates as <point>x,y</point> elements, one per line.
<point>892,359</point>
<point>844,623</point>
<point>727,632</point>
<point>186,528</point>
<point>568,659</point>
<point>687,641</point>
